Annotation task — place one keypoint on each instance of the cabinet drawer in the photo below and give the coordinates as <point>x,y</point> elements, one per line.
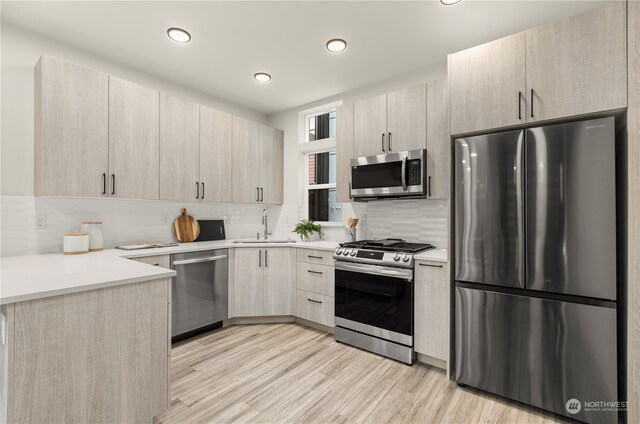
<point>158,260</point>
<point>315,307</point>
<point>316,278</point>
<point>323,257</point>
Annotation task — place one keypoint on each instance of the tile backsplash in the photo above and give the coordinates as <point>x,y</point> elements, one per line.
<point>132,221</point>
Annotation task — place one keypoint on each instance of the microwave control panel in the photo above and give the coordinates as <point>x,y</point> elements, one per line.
<point>414,172</point>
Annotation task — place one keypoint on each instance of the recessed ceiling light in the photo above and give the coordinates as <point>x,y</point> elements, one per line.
<point>262,77</point>
<point>179,35</point>
<point>449,2</point>
<point>336,45</point>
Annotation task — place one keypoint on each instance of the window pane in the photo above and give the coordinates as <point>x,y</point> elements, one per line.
<point>312,128</point>
<point>323,205</point>
<point>321,170</point>
<point>322,126</point>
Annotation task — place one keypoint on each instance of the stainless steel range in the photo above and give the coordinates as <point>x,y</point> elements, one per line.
<point>374,296</point>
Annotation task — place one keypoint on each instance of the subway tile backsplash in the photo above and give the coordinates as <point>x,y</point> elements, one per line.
<point>132,221</point>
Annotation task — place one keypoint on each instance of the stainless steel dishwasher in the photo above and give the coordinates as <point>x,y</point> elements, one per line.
<point>199,295</point>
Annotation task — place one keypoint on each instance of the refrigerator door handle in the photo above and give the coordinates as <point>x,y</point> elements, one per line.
<point>519,177</point>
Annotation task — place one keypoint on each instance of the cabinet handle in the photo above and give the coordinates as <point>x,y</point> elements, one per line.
<point>257,194</point>
<point>156,264</point>
<point>314,272</point>
<point>104,183</point>
<point>314,301</point>
<point>113,184</point>
<point>383,142</point>
<point>519,104</point>
<point>261,194</point>
<point>266,258</point>
<point>314,257</point>
<point>202,190</point>
<point>389,142</point>
<point>197,190</point>
<point>532,102</point>
<point>429,185</point>
<point>260,258</point>
<point>350,197</point>
<point>432,266</point>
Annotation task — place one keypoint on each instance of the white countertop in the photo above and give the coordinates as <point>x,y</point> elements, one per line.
<point>39,276</point>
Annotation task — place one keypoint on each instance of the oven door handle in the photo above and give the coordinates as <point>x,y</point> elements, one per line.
<point>405,274</point>
<point>404,173</point>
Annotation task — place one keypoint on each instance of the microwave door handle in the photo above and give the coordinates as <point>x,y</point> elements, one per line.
<point>404,173</point>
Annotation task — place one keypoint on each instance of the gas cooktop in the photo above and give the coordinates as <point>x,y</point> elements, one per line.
<point>389,245</point>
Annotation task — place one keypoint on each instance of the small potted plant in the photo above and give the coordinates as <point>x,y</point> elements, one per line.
<point>306,229</point>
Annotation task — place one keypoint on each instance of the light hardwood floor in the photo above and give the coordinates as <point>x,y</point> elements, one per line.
<point>287,373</point>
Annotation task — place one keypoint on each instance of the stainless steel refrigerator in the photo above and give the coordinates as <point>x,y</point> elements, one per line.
<point>535,260</point>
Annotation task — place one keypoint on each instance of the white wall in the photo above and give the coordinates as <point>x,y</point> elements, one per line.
<point>20,51</point>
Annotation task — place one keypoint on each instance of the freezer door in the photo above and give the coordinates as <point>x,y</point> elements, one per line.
<point>570,209</point>
<point>537,351</point>
<point>488,209</point>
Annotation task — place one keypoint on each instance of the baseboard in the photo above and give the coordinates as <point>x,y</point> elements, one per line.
<point>278,319</point>
<point>434,362</point>
<point>314,325</point>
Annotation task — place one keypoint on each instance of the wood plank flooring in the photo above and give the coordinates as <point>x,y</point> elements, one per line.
<point>287,373</point>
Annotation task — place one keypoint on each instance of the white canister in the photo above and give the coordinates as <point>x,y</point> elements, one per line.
<point>94,229</point>
<point>75,243</point>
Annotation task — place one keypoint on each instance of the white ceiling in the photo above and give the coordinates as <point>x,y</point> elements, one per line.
<point>232,40</point>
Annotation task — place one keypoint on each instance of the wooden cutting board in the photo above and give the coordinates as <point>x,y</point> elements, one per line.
<point>185,227</point>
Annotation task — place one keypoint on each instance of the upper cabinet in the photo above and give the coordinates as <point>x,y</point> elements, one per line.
<point>134,140</point>
<point>577,65</point>
<point>216,155</point>
<point>344,151</point>
<point>488,85</point>
<point>179,149</point>
<point>391,122</point>
<point>438,140</point>
<point>570,67</point>
<point>258,157</point>
<point>71,130</point>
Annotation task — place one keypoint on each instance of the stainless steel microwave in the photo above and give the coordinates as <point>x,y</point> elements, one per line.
<point>401,174</point>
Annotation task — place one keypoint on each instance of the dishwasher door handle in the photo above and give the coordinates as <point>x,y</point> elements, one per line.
<point>195,261</point>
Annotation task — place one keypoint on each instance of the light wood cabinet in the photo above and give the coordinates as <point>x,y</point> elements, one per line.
<point>91,357</point>
<point>71,130</point>
<point>438,140</point>
<point>263,280</point>
<point>315,307</point>
<point>432,309</point>
<point>271,165</point>
<point>179,149</point>
<point>577,65</point>
<point>315,256</point>
<point>488,85</point>
<point>134,140</point>
<point>246,161</point>
<point>344,151</point>
<point>390,122</point>
<point>216,155</point>
<point>316,278</point>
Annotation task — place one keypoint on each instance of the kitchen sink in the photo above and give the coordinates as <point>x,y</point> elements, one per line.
<point>256,241</point>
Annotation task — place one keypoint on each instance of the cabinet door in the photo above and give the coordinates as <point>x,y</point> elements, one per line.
<point>71,130</point>
<point>134,140</point>
<point>216,155</point>
<point>279,265</point>
<point>438,140</point>
<point>248,282</point>
<point>432,309</point>
<point>179,148</point>
<point>578,65</point>
<point>370,126</point>
<point>344,152</point>
<point>407,119</point>
<point>488,85</point>
<point>271,164</point>
<point>246,160</point>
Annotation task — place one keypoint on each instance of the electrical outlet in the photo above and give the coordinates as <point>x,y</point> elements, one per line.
<point>164,219</point>
<point>41,222</point>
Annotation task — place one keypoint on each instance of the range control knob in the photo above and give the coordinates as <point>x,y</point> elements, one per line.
<point>396,257</point>
<point>353,252</point>
<point>345,252</point>
<point>406,257</point>
<point>338,250</point>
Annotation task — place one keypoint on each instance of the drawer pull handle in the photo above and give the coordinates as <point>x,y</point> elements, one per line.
<point>432,266</point>
<point>314,301</point>
<point>314,257</point>
<point>156,264</point>
<point>314,272</point>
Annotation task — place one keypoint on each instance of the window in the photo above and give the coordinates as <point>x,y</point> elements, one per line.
<point>320,166</point>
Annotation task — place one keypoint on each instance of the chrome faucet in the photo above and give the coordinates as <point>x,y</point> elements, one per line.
<point>265,219</point>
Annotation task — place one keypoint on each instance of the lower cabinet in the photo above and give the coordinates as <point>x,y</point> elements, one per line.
<point>315,307</point>
<point>432,309</point>
<point>263,281</point>
<point>315,286</point>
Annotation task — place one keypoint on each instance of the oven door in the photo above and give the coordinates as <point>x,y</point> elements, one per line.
<point>375,300</point>
<point>391,175</point>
